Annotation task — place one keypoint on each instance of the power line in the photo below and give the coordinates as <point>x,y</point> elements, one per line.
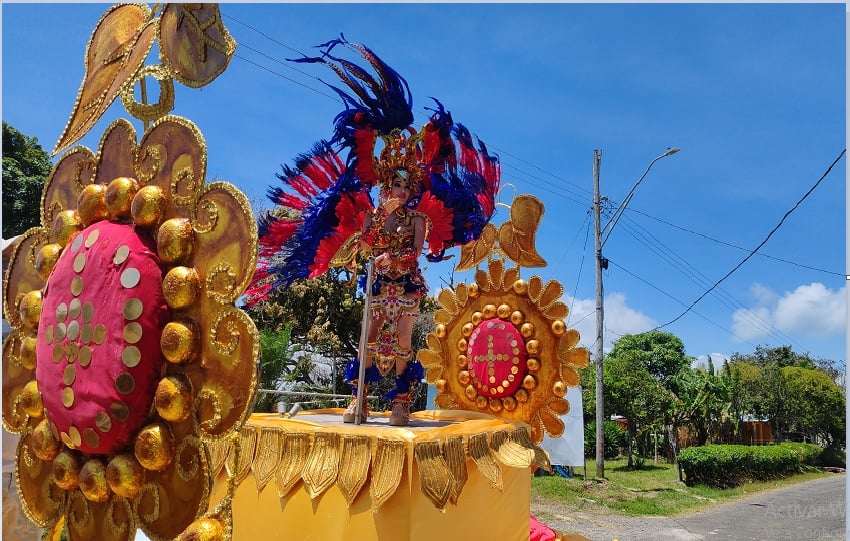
<point>707,237</point>
<point>762,243</point>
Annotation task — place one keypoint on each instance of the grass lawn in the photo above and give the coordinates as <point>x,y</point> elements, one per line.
<point>653,490</point>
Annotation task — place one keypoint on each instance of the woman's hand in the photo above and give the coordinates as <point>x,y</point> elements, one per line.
<point>390,205</point>
<point>382,262</point>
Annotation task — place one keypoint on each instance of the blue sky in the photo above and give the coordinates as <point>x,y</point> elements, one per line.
<point>753,94</point>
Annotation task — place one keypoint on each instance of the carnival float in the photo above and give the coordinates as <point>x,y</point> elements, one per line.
<point>130,374</point>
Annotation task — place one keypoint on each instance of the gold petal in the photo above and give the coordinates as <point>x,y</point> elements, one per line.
<point>483,281</point>
<point>551,293</point>
<point>480,453</point>
<point>353,466</point>
<point>552,423</point>
<point>509,452</point>
<point>448,301</point>
<point>433,374</point>
<point>535,288</point>
<point>296,447</point>
<point>497,268</point>
<point>570,376</point>
<point>248,443</point>
<point>462,294</point>
<point>218,451</point>
<point>441,316</point>
<point>429,358</point>
<point>557,310</point>
<point>322,465</point>
<point>569,340</point>
<point>387,468</point>
<point>435,479</point>
<point>578,357</point>
<point>433,342</point>
<point>455,456</point>
<point>267,457</point>
<point>523,438</point>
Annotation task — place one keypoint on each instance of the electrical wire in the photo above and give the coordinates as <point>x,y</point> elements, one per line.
<point>762,243</point>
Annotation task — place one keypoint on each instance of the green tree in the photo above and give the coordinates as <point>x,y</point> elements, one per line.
<point>633,392</point>
<point>815,405</point>
<point>25,169</point>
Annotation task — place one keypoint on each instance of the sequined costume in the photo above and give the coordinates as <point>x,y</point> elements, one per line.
<point>330,217</point>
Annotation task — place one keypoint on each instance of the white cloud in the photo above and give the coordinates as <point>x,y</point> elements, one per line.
<point>716,358</point>
<point>620,319</point>
<point>811,310</point>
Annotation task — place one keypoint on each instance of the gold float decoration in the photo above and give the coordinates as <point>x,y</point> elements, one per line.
<point>500,345</point>
<point>160,481</point>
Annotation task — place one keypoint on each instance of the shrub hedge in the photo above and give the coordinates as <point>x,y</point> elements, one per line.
<point>726,466</point>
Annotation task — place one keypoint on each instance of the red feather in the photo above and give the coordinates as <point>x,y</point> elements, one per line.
<point>440,235</point>
<point>292,201</point>
<point>364,149</point>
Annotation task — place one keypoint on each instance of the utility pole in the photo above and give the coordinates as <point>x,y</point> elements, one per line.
<point>600,263</point>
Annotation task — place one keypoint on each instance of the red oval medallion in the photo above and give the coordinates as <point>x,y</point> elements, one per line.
<point>98,358</point>
<point>497,358</point>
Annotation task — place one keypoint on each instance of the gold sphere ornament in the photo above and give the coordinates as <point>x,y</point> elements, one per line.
<point>532,347</point>
<point>203,529</point>
<point>173,398</point>
<point>180,287</point>
<point>509,403</point>
<point>533,364</point>
<point>44,443</point>
<point>477,317</point>
<point>470,392</point>
<point>467,329</point>
<point>488,311</point>
<point>527,330</point>
<point>154,447</point>
<point>559,327</point>
<point>521,395</point>
<point>119,197</point>
<point>473,290</point>
<point>66,224</point>
<point>178,341</point>
<point>148,206</point>
<point>495,405</point>
<point>463,377</point>
<point>529,382</point>
<point>125,475</point>
<point>174,240</point>
<point>46,259</point>
<point>93,481</point>
<point>440,385</point>
<point>27,352</point>
<point>31,401</point>
<point>440,330</point>
<point>520,287</point>
<point>30,309</point>
<point>503,311</point>
<point>482,402</point>
<point>461,361</point>
<point>462,345</point>
<point>66,470</point>
<point>91,205</point>
<point>559,389</point>
<point>517,318</point>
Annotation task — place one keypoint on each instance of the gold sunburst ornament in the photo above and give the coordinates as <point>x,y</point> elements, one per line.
<point>501,344</point>
<point>128,355</point>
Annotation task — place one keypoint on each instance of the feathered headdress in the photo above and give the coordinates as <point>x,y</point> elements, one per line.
<point>324,199</point>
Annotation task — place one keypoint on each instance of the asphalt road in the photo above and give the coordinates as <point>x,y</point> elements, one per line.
<point>815,510</point>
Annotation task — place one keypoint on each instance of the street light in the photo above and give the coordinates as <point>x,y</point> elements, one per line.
<point>602,263</point>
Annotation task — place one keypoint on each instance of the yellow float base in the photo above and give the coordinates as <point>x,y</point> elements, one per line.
<point>493,507</point>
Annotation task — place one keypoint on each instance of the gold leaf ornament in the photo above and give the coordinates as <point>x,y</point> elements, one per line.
<point>122,39</point>
<point>194,43</point>
<point>516,236</point>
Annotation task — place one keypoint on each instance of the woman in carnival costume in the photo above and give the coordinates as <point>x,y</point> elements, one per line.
<point>437,190</point>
